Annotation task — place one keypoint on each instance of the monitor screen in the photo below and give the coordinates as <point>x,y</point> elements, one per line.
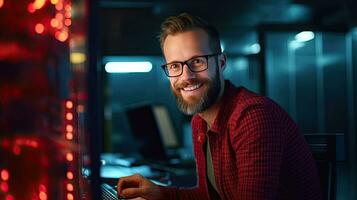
<point>152,130</point>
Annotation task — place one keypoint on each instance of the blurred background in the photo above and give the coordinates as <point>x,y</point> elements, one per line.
<point>84,101</point>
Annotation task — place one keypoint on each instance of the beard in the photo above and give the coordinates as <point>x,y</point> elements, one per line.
<point>203,102</point>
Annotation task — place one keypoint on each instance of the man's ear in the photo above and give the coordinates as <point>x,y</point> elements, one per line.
<point>222,60</point>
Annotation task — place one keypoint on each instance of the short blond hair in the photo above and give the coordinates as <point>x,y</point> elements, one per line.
<point>186,22</point>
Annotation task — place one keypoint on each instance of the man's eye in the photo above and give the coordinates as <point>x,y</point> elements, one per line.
<point>174,66</point>
<point>197,61</point>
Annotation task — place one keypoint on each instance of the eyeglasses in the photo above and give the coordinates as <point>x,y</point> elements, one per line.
<point>195,64</point>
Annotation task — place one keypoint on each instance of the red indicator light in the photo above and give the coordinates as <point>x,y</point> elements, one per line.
<point>69,104</point>
<point>62,36</point>
<point>4,187</point>
<point>68,15</point>
<point>16,150</point>
<point>70,196</point>
<point>42,188</point>
<point>69,156</point>
<point>67,22</point>
<point>9,197</point>
<point>70,175</point>
<point>68,8</point>
<point>42,196</point>
<point>1,3</point>
<point>5,175</point>
<point>59,16</point>
<point>39,28</point>
<point>69,136</point>
<point>54,23</point>
<point>69,187</point>
<point>59,6</point>
<point>69,128</point>
<point>31,8</point>
<point>69,116</point>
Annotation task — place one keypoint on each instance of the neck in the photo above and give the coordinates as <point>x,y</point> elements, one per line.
<point>210,114</point>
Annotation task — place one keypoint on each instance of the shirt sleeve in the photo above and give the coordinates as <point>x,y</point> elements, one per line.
<point>173,193</point>
<point>258,141</point>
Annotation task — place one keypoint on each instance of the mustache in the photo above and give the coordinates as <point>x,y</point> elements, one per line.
<point>184,84</point>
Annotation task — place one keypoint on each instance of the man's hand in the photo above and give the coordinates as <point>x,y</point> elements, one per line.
<point>137,186</point>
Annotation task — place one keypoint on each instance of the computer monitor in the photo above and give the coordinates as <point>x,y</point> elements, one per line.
<point>153,131</point>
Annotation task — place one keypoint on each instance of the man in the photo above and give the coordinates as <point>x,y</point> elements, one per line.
<point>245,145</point>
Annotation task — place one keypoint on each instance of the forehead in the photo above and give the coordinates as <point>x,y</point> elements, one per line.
<point>185,45</point>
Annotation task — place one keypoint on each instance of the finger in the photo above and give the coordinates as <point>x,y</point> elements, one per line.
<point>131,193</point>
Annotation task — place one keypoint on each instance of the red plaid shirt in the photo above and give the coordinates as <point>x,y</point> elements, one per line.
<point>257,153</point>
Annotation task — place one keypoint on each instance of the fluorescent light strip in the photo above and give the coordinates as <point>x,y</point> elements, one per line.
<point>128,67</point>
<point>304,36</point>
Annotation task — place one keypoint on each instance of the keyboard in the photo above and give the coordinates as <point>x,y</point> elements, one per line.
<point>108,192</point>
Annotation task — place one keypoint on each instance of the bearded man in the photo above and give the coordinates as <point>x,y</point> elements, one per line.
<point>246,147</point>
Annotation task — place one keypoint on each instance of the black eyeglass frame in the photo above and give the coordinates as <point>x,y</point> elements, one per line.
<point>164,66</point>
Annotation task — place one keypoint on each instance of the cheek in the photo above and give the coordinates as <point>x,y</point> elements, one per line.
<point>172,82</point>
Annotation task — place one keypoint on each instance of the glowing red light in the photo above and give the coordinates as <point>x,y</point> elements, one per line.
<point>69,104</point>
<point>1,3</point>
<point>68,15</point>
<point>59,16</point>
<point>69,116</point>
<point>68,7</point>
<point>61,36</point>
<point>31,8</point>
<point>70,175</point>
<point>54,2</point>
<point>70,196</point>
<point>60,25</point>
<point>67,22</point>
<point>5,175</point>
<point>69,136</point>
<point>9,197</point>
<point>42,188</point>
<point>69,187</point>
<point>33,144</point>
<point>69,128</point>
<point>42,196</point>
<point>16,150</point>
<point>4,187</point>
<point>39,28</point>
<point>69,156</point>
<point>54,23</point>
<point>38,4</point>
<point>59,6</point>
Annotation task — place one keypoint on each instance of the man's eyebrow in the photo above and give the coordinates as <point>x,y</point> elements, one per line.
<point>175,61</point>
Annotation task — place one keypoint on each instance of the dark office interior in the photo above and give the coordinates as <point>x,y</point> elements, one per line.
<point>70,124</point>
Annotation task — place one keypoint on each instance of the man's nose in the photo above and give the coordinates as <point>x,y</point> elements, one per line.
<point>187,73</point>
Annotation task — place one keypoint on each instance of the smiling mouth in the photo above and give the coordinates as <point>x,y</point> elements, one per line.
<point>192,87</point>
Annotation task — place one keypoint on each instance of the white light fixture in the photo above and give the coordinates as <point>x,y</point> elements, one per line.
<point>255,48</point>
<point>128,67</point>
<point>304,36</point>
<point>296,44</point>
<point>252,49</point>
